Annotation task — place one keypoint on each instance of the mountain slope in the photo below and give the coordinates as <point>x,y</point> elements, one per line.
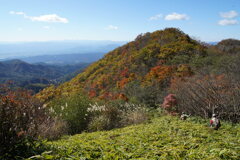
<point>148,62</point>
<point>32,76</point>
<point>164,138</point>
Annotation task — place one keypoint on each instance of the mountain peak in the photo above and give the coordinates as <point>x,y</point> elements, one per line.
<point>148,61</point>
<point>231,46</point>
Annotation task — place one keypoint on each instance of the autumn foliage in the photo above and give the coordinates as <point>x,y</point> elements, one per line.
<point>21,116</point>
<point>169,103</point>
<point>152,59</point>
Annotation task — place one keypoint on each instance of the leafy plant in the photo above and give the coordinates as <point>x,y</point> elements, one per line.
<point>72,110</point>
<point>165,137</point>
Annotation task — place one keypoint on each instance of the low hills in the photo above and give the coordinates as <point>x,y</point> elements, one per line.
<point>35,76</point>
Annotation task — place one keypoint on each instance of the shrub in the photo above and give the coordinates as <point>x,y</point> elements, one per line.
<point>99,123</point>
<point>53,130</point>
<point>72,110</point>
<point>203,95</point>
<point>114,115</point>
<point>133,114</point>
<point>103,117</point>
<point>151,96</point>
<point>169,103</point>
<point>20,118</point>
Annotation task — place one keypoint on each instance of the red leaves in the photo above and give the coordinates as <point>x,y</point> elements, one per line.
<point>92,93</point>
<point>169,102</point>
<point>159,73</point>
<point>124,73</point>
<point>123,97</point>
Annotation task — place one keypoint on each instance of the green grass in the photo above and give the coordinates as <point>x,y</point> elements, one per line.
<point>163,138</point>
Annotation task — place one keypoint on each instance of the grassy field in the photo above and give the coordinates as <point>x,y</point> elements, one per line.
<point>162,138</point>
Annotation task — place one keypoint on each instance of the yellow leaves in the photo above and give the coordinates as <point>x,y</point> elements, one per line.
<point>184,70</point>
<point>166,52</point>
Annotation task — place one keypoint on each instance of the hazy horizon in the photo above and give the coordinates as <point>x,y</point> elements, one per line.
<point>44,20</point>
<point>14,50</point>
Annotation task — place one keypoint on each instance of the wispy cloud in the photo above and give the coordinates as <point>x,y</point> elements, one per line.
<point>42,18</point>
<point>49,18</point>
<point>227,22</point>
<point>176,16</point>
<point>111,27</point>
<point>230,14</point>
<point>17,13</point>
<point>156,17</point>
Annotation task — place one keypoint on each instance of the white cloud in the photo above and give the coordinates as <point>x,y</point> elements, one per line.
<point>42,18</point>
<point>17,13</point>
<point>48,18</point>
<point>226,22</point>
<point>111,27</point>
<point>176,16</point>
<point>230,14</point>
<point>156,17</point>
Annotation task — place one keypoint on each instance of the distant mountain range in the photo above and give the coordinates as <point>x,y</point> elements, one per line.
<point>212,43</point>
<point>64,59</point>
<point>17,50</point>
<point>36,76</point>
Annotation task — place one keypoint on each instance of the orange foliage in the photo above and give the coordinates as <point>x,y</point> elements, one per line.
<point>123,97</point>
<point>123,82</point>
<point>92,93</point>
<point>160,73</point>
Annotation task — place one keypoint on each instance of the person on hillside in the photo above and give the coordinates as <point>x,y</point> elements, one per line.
<point>184,116</point>
<point>215,122</point>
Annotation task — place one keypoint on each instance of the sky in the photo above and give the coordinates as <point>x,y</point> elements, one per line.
<point>116,20</point>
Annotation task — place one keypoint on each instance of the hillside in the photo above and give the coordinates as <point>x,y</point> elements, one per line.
<point>34,76</point>
<point>163,138</point>
<point>146,64</point>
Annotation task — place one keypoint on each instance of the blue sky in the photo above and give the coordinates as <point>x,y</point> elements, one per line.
<point>118,20</point>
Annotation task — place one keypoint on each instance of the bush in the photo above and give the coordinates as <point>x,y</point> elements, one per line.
<point>133,114</point>
<point>114,115</point>
<point>73,111</point>
<point>203,95</point>
<point>53,130</point>
<point>151,96</point>
<point>99,123</point>
<point>20,118</point>
<point>169,103</point>
<point>103,117</point>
